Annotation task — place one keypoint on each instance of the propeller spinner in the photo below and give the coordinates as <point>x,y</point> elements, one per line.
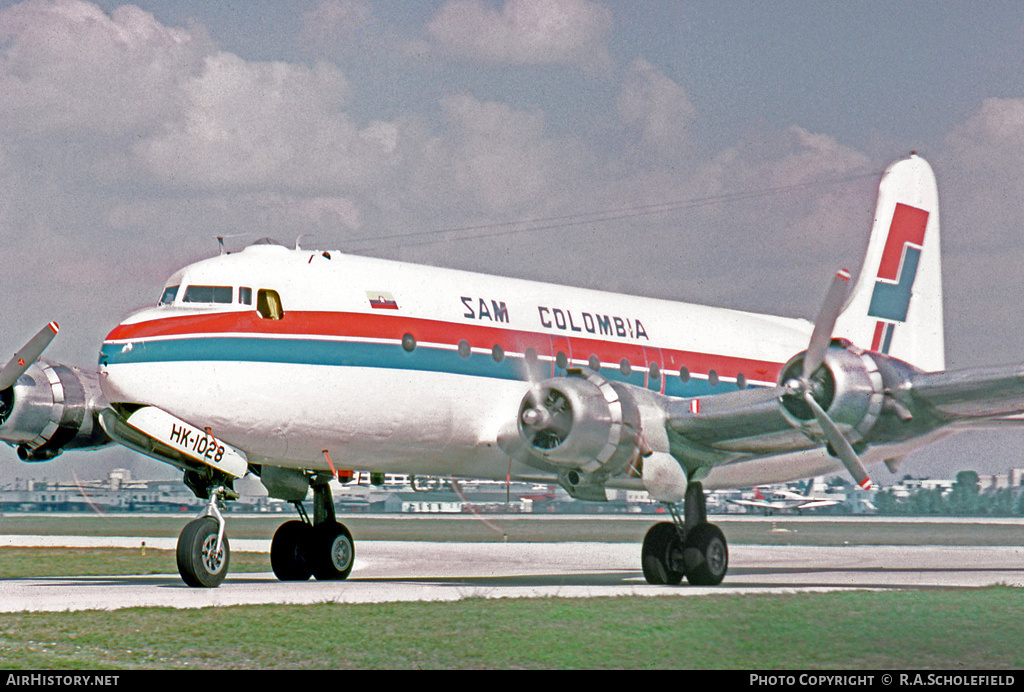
<point>546,417</point>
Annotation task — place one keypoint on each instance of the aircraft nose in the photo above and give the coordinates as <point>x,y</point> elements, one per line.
<point>115,353</point>
<point>114,343</point>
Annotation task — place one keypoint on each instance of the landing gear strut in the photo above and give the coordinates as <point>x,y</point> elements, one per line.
<point>687,546</point>
<point>323,548</point>
<point>203,553</point>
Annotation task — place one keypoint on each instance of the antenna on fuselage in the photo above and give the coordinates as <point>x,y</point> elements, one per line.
<point>301,236</point>
<point>220,242</point>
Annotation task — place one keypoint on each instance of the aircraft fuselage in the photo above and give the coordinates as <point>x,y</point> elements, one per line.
<point>398,367</point>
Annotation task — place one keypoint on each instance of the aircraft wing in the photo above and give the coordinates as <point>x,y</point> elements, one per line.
<point>971,395</point>
<point>753,503</point>
<point>785,504</point>
<point>764,504</point>
<point>813,504</point>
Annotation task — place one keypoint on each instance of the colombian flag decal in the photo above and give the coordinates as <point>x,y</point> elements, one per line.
<point>381,300</point>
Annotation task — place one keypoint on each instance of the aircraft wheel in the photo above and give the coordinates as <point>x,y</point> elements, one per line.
<point>291,551</point>
<point>199,562</point>
<point>705,555</point>
<point>333,551</point>
<point>660,544</point>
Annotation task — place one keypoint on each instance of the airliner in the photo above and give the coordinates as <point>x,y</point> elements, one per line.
<point>771,500</point>
<point>299,366</point>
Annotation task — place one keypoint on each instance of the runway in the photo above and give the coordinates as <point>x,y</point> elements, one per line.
<point>387,571</point>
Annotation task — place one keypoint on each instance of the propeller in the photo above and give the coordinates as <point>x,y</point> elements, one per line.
<point>28,355</point>
<point>803,387</point>
<point>821,337</point>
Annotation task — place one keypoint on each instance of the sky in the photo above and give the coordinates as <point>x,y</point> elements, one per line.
<point>724,153</point>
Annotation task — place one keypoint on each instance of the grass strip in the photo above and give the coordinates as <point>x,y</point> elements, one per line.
<point>18,563</point>
<point>605,529</point>
<point>968,629</point>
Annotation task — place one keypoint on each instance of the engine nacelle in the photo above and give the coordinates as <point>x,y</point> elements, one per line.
<point>52,408</point>
<point>849,386</point>
<point>581,422</point>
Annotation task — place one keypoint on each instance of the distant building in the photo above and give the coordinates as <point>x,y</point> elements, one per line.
<point>401,493</point>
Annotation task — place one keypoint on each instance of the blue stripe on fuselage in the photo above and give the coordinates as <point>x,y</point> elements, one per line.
<point>369,355</point>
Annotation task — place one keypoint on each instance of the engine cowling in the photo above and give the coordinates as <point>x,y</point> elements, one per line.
<point>581,422</point>
<point>51,408</point>
<point>848,385</point>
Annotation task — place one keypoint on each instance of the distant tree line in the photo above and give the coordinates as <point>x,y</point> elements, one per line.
<point>965,499</point>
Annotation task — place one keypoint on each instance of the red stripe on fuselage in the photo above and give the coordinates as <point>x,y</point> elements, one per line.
<point>355,325</point>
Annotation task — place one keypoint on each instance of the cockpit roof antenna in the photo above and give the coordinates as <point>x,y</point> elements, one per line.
<point>222,238</point>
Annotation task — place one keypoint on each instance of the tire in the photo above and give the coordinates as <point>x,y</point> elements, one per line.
<point>660,544</point>
<point>291,551</point>
<point>705,555</point>
<point>198,562</point>
<point>333,552</point>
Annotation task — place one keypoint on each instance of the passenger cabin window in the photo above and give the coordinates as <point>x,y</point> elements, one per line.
<point>245,295</point>
<point>207,294</point>
<point>169,294</point>
<point>268,304</point>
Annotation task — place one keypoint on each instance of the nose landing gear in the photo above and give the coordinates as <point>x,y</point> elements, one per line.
<point>203,552</point>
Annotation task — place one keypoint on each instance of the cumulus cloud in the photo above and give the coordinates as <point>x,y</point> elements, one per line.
<point>495,154</point>
<point>69,66</point>
<point>122,99</point>
<point>246,123</point>
<point>992,137</point>
<point>526,32</point>
<point>805,213</point>
<point>985,155</point>
<point>182,136</point>
<point>658,108</point>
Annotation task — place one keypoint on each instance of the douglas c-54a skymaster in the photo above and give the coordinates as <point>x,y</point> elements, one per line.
<point>290,364</point>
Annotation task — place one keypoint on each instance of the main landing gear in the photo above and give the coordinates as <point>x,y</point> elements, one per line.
<point>323,548</point>
<point>686,547</point>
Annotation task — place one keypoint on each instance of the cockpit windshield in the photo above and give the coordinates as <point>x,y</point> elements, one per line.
<point>207,294</point>
<point>169,294</point>
<point>221,295</point>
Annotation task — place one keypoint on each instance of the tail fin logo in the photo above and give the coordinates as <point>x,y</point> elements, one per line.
<point>897,270</point>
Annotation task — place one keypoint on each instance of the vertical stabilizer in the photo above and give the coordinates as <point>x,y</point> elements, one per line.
<point>896,306</point>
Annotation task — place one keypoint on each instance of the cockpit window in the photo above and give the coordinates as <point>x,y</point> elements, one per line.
<point>169,293</point>
<point>268,304</point>
<point>207,294</point>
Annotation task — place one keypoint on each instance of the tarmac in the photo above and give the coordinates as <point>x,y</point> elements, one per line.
<point>390,571</point>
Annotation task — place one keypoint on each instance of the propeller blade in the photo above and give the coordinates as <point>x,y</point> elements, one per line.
<point>821,337</point>
<point>840,444</point>
<point>28,354</point>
